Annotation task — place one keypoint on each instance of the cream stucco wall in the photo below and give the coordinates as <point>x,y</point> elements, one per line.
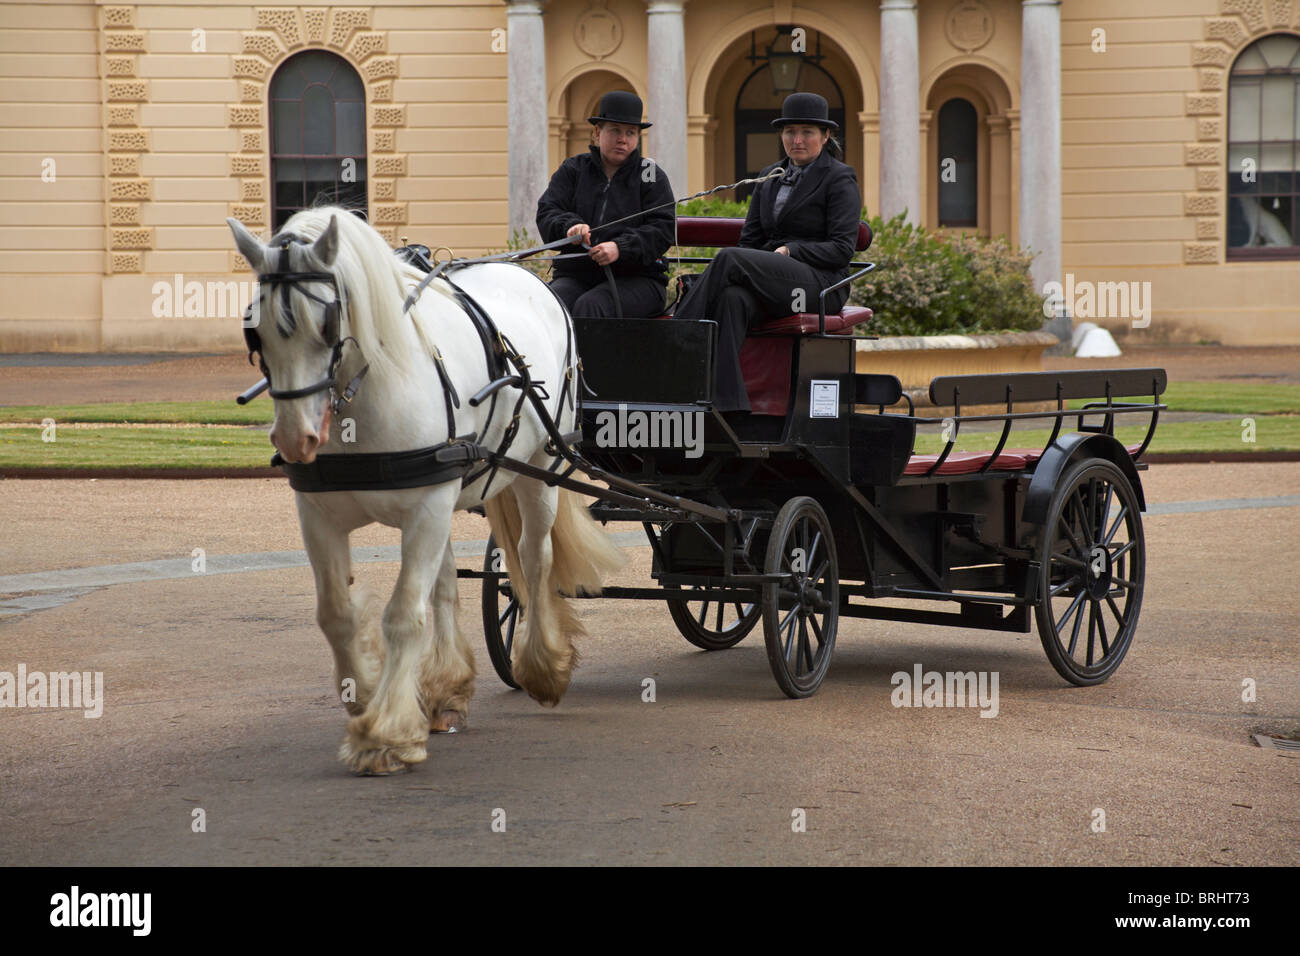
<point>154,144</point>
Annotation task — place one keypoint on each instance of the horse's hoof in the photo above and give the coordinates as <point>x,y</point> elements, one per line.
<point>380,761</point>
<point>449,722</point>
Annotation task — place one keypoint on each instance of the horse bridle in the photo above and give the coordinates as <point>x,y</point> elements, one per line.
<point>285,278</point>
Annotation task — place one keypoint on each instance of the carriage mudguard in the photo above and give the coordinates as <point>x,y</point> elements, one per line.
<point>1061,454</point>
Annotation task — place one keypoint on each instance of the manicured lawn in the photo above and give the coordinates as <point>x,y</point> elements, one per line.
<point>217,447</point>
<point>1278,433</point>
<point>1229,398</point>
<point>258,412</point>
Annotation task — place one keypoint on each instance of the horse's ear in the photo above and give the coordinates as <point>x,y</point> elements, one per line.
<point>327,246</point>
<point>249,246</point>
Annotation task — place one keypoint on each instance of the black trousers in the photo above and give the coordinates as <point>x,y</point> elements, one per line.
<point>641,297</point>
<point>739,289</point>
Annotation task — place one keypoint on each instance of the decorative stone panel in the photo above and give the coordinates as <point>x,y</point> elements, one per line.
<point>1201,204</point>
<point>1202,104</point>
<point>283,20</point>
<point>118,41</point>
<point>125,140</point>
<point>1209,78</point>
<point>280,32</point>
<point>345,22</point>
<point>265,45</point>
<point>1208,177</point>
<point>132,238</point>
<point>1200,154</point>
<point>1199,253</point>
<point>1251,11</point>
<point>124,213</point>
<point>1209,129</point>
<point>128,141</point>
<point>127,90</point>
<point>1207,228</point>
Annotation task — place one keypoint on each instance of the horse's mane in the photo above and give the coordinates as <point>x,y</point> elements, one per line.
<point>375,283</point>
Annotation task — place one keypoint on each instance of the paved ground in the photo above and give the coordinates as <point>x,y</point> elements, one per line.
<point>217,696</point>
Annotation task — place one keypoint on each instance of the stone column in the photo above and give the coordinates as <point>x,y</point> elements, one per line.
<point>667,89</point>
<point>526,130</point>
<point>870,183</point>
<point>900,108</point>
<point>999,166</point>
<point>1040,146</point>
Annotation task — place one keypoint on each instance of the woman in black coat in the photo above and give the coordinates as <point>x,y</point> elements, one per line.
<point>798,238</point>
<point>609,182</point>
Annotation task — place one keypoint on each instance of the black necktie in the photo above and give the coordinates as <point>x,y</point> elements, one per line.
<point>788,183</point>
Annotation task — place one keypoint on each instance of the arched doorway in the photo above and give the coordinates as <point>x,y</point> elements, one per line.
<point>746,88</point>
<point>970,146</point>
<point>580,99</point>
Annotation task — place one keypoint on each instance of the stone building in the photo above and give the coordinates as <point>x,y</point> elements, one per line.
<point>1128,143</point>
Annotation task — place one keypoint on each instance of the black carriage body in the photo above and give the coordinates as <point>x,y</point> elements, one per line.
<point>967,538</point>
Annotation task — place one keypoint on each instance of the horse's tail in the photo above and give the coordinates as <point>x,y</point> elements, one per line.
<point>581,557</point>
<point>582,554</point>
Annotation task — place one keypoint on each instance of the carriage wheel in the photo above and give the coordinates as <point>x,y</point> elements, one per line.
<point>710,624</point>
<point>499,622</point>
<point>1093,564</point>
<point>800,614</point>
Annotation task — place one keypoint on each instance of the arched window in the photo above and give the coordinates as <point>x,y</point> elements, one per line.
<point>958,164</point>
<point>318,134</point>
<point>1264,150</point>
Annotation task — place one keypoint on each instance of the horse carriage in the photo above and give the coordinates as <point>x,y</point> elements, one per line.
<point>814,508</point>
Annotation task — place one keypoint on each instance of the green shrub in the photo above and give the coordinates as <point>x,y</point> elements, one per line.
<point>931,284</point>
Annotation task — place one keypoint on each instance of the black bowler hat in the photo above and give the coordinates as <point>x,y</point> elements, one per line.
<point>620,106</point>
<point>805,108</point>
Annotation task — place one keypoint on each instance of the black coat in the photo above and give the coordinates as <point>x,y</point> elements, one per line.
<point>579,192</point>
<point>819,221</point>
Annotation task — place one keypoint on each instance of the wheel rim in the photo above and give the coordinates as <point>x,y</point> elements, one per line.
<point>1093,572</point>
<point>499,623</point>
<point>712,624</point>
<point>803,609</point>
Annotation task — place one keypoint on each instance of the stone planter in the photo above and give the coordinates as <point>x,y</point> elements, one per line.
<point>916,359</point>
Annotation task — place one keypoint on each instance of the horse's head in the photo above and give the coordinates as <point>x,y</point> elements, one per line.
<point>296,331</point>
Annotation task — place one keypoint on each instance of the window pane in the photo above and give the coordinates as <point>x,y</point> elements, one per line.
<point>322,174</point>
<point>287,124</point>
<point>346,85</point>
<point>1243,110</point>
<point>1278,50</point>
<point>1250,60</point>
<point>318,121</point>
<point>317,67</point>
<point>958,176</point>
<point>1278,114</point>
<point>1241,221</point>
<point>1275,222</point>
<point>351,126</point>
<point>288,182</point>
<point>1276,158</point>
<point>1237,155</point>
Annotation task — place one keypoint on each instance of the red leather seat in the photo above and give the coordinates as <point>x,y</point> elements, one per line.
<point>964,463</point>
<point>805,323</point>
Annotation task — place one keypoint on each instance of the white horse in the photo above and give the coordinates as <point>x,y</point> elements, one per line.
<point>419,677</point>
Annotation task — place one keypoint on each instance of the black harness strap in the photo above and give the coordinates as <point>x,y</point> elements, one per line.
<point>381,471</point>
